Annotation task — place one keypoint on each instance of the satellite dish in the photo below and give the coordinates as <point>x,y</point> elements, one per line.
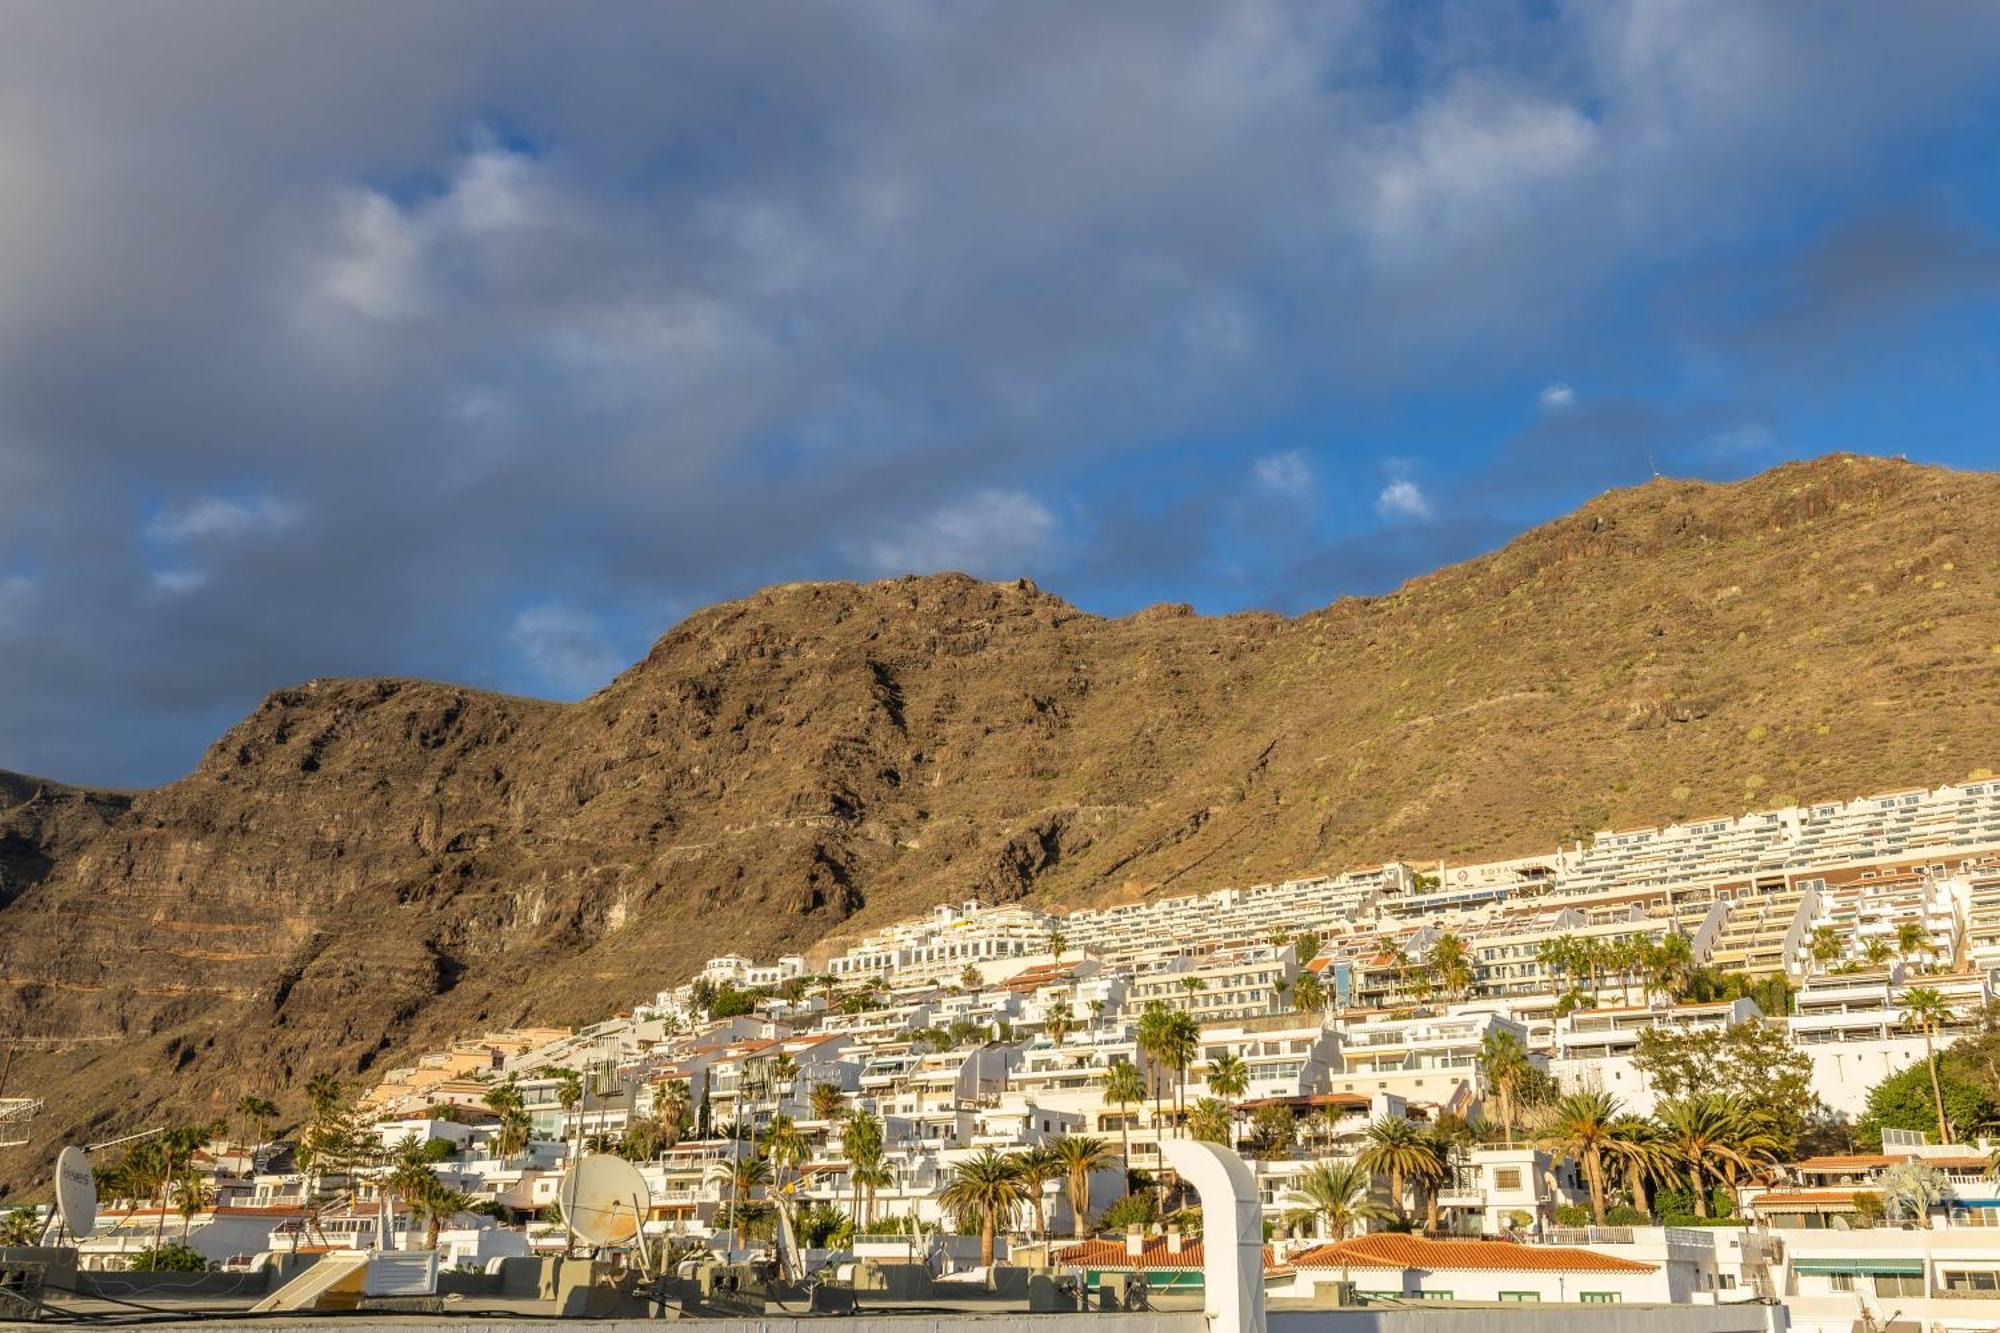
<point>76,1192</point>
<point>604,1199</point>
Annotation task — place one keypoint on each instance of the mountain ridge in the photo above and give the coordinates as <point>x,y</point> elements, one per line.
<point>361,865</point>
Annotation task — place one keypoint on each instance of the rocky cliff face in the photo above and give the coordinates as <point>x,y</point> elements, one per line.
<point>363,865</point>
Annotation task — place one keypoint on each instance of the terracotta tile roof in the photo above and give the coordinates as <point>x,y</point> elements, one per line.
<point>1154,1255</point>
<point>1855,1162</point>
<point>1348,1100</point>
<point>1394,1250</point>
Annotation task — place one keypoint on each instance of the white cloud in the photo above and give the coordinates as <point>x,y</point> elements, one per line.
<point>993,533</point>
<point>1403,498</point>
<point>1558,397</point>
<point>211,518</point>
<point>566,647</point>
<point>1285,474</point>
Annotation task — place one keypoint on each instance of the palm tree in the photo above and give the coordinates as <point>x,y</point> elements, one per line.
<point>192,1194</point>
<point>1124,1088</point>
<point>1153,1039</point>
<point>1915,1187</point>
<point>20,1226</point>
<point>511,1137</point>
<point>1396,1149</point>
<point>1334,1196</point>
<point>1057,943</point>
<point>1211,1121</point>
<point>1825,945</point>
<point>827,1100</point>
<point>745,1176</point>
<point>1637,1142</point>
<point>1181,1043</point>
<point>1057,1023</point>
<point>1080,1155</point>
<point>861,1141</point>
<point>673,1107</point>
<point>1436,1174</point>
<point>1925,1007</point>
<point>1451,963</point>
<point>1708,1134</point>
<point>1037,1167</point>
<point>256,1114</point>
<point>1580,1125</point>
<point>1504,1057</point>
<point>1669,966</point>
<point>437,1205</point>
<point>1229,1078</point>
<point>988,1186</point>
<point>1308,993</point>
<point>176,1147</point>
<point>1912,937</point>
<point>569,1095</point>
<point>785,1144</point>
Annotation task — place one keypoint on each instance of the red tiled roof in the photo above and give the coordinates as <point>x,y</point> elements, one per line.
<point>1154,1255</point>
<point>1855,1162</point>
<point>1388,1249</point>
<point>1351,1100</point>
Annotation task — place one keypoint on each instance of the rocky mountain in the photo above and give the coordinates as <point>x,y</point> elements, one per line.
<point>363,865</point>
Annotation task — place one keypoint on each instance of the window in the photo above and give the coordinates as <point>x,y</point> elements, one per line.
<point>1840,1281</point>
<point>1598,1297</point>
<point>1506,1177</point>
<point>1899,1284</point>
<point>1971,1281</point>
<point>1520,1295</point>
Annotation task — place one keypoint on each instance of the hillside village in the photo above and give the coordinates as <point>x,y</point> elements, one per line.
<point>1732,1059</point>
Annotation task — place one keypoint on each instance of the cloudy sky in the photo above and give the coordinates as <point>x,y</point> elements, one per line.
<point>483,342</point>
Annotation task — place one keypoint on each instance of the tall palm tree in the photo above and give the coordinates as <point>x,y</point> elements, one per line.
<point>256,1114</point>
<point>785,1144</point>
<point>989,1187</point>
<point>1155,1022</point>
<point>1182,1043</point>
<point>1210,1121</point>
<point>744,1176</point>
<point>1707,1135</point>
<point>569,1096</point>
<point>1504,1058</point>
<point>1580,1125</point>
<point>1057,1022</point>
<point>1396,1149</point>
<point>867,1168</point>
<point>1057,943</point>
<point>438,1205</point>
<point>1824,946</point>
<point>1036,1167</point>
<point>1925,1008</point>
<point>1124,1088</point>
<point>1335,1195</point>
<point>1229,1078</point>
<point>1877,951</point>
<point>1080,1155</point>
<point>1912,938</point>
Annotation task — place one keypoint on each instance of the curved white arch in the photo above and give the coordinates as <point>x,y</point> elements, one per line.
<point>1232,1267</point>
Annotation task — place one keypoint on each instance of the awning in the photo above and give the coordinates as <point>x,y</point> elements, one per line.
<point>1867,1267</point>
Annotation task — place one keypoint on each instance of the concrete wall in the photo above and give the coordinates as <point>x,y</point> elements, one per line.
<point>1538,1319</point>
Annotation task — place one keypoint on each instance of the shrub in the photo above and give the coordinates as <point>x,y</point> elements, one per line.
<point>1625,1215</point>
<point>1132,1210</point>
<point>1675,1202</point>
<point>1572,1215</point>
<point>1870,1208</point>
<point>172,1257</point>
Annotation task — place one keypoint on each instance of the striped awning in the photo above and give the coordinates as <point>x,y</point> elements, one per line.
<point>1866,1267</point>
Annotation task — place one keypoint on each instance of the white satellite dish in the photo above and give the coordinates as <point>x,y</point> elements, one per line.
<point>604,1199</point>
<point>76,1192</point>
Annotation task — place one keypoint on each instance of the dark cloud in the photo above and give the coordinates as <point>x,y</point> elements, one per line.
<point>480,340</point>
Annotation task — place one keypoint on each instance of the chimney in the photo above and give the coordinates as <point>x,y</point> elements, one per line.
<point>1173,1240</point>
<point>1135,1241</point>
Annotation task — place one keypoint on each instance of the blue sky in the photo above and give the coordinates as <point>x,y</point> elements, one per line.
<point>484,342</point>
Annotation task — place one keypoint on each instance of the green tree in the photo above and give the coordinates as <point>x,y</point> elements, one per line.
<point>1908,1099</point>
<point>1228,1077</point>
<point>20,1226</point>
<point>988,1187</point>
<point>1581,1125</point>
<point>1754,1062</point>
<point>1080,1155</point>
<point>1396,1149</point>
<point>827,1099</point>
<point>1309,993</point>
<point>1925,1008</point>
<point>1037,1166</point>
<point>1123,1088</point>
<point>1210,1121</point>
<point>1334,1196</point>
<point>1710,1136</point>
<point>1825,946</point>
<point>1503,1058</point>
<point>1451,964</point>
<point>1275,1129</point>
